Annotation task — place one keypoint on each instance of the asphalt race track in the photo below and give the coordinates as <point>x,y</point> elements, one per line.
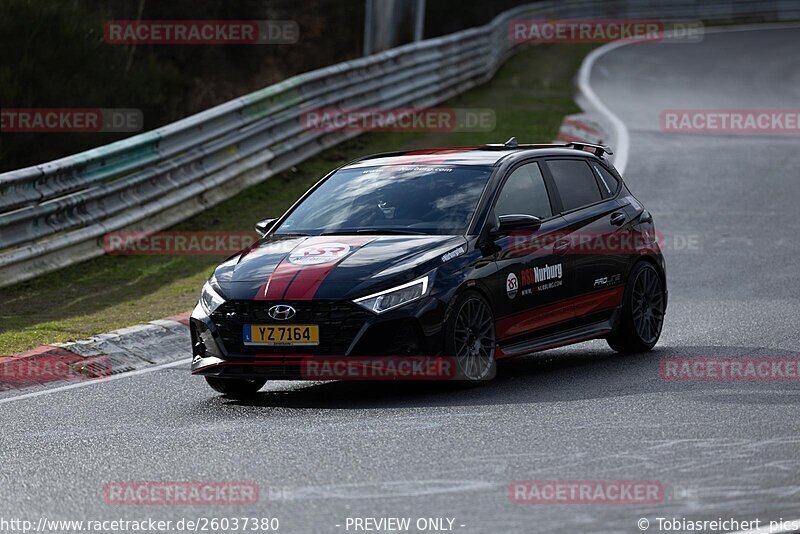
<point>321,453</point>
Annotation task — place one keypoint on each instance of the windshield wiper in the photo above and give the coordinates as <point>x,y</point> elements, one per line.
<point>390,231</point>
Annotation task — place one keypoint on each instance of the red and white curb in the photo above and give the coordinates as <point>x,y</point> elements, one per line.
<point>582,127</point>
<point>99,357</point>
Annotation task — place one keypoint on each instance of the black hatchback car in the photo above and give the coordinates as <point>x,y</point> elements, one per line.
<point>469,254</point>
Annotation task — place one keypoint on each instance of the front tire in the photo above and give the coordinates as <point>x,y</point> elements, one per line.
<point>238,388</point>
<point>470,338</point>
<point>643,308</point>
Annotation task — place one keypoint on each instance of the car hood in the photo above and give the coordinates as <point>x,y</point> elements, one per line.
<point>330,267</point>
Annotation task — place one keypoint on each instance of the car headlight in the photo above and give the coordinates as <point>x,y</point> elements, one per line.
<point>397,296</point>
<point>210,299</point>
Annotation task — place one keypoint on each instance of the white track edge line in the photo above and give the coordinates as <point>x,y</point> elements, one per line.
<point>622,135</point>
<point>92,382</point>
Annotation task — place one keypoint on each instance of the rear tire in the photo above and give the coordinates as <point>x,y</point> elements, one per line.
<point>643,307</point>
<point>238,388</point>
<point>470,338</point>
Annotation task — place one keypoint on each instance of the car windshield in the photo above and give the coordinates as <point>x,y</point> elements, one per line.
<point>391,199</point>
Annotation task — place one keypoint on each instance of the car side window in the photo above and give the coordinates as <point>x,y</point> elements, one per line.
<point>575,182</point>
<point>524,193</point>
<point>608,182</point>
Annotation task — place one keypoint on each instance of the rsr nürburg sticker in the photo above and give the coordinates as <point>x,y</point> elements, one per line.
<point>319,254</point>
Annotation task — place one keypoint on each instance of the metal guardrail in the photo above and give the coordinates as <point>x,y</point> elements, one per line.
<point>56,213</point>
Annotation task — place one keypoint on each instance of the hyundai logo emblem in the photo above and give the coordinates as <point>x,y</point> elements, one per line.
<point>281,312</point>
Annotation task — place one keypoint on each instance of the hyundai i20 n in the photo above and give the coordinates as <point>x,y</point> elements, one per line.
<point>471,254</point>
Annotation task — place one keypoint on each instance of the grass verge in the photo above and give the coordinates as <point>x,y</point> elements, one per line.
<point>530,95</point>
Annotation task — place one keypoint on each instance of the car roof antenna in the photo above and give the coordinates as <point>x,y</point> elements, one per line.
<point>511,143</point>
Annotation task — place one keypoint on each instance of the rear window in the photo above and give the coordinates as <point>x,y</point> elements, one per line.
<point>575,182</point>
<point>608,182</point>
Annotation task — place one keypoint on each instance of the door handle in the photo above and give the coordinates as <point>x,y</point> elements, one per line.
<point>561,246</point>
<point>618,218</point>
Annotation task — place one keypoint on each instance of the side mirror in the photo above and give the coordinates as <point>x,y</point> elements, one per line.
<point>515,222</point>
<point>262,227</point>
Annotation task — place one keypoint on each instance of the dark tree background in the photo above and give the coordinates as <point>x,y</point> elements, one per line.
<point>52,54</point>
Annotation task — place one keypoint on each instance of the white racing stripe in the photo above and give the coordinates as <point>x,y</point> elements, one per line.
<point>92,382</point>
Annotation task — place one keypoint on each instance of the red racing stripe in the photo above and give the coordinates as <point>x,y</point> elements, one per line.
<point>302,271</point>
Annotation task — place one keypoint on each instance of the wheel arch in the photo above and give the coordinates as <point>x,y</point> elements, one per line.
<point>464,288</point>
<point>652,260</point>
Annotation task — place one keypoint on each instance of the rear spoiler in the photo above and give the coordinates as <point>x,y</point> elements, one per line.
<point>597,150</point>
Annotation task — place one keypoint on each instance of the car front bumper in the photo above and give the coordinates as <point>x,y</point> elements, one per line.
<point>347,331</point>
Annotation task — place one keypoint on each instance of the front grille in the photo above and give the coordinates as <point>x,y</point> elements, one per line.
<point>338,321</point>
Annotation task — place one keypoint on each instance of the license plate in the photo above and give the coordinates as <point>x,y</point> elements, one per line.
<point>289,334</point>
